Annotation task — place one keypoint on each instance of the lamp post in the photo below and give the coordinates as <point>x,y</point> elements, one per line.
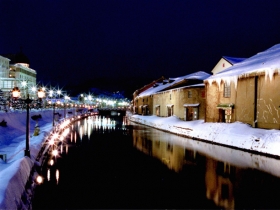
<point>41,94</point>
<point>50,103</point>
<point>66,98</point>
<point>16,94</point>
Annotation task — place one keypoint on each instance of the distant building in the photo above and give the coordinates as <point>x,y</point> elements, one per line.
<point>247,92</point>
<point>4,68</point>
<point>15,69</point>
<point>182,96</point>
<point>138,102</point>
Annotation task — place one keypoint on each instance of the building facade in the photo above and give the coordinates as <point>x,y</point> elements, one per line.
<point>141,102</point>
<point>247,92</point>
<point>182,96</point>
<point>187,103</point>
<point>16,70</point>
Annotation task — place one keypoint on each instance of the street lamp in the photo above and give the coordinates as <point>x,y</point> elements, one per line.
<point>41,94</point>
<point>65,104</point>
<point>16,94</point>
<point>50,103</point>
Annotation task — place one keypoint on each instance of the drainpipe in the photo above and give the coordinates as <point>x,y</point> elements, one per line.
<point>255,123</point>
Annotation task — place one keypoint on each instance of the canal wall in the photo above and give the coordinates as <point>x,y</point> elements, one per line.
<point>235,135</point>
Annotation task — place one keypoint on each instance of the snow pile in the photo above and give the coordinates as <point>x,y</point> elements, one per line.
<point>235,134</point>
<point>200,75</point>
<point>15,171</point>
<point>13,181</point>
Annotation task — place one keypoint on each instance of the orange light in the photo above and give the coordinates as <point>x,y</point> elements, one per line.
<point>16,92</point>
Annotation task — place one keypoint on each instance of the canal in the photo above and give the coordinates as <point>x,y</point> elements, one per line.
<point>104,164</point>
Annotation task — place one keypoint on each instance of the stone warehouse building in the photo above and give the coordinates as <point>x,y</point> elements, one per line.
<point>247,91</point>
<point>182,96</point>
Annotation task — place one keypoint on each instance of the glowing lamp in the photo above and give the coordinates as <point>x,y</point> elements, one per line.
<point>55,152</point>
<point>41,93</point>
<point>16,92</point>
<point>39,179</point>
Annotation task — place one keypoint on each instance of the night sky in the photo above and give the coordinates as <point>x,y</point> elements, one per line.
<point>125,44</point>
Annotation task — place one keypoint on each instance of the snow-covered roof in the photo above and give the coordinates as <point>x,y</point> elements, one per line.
<point>200,75</point>
<point>267,61</point>
<point>233,60</point>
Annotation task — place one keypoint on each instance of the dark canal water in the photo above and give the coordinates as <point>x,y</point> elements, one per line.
<point>103,165</point>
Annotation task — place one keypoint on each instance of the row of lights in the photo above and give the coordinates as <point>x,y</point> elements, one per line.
<point>40,95</point>
<point>57,138</point>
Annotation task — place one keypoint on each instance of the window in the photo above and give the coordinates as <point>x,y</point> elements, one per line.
<point>226,90</point>
<point>189,94</point>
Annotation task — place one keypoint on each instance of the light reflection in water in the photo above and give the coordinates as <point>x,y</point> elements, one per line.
<point>81,132</point>
<point>66,149</point>
<point>49,175</point>
<point>57,176</point>
<point>85,126</point>
<point>90,126</point>
<point>51,162</point>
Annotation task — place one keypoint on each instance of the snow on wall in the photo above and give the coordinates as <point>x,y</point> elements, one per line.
<point>267,62</point>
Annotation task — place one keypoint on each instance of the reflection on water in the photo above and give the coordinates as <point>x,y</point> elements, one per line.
<point>230,178</point>
<point>225,168</point>
<point>57,175</point>
<point>99,124</point>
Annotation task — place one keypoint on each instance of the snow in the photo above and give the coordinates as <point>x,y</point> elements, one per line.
<point>237,134</point>
<point>267,61</point>
<point>233,60</point>
<point>200,75</point>
<point>14,173</point>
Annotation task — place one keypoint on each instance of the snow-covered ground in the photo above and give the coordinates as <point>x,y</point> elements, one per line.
<point>15,172</point>
<point>235,134</point>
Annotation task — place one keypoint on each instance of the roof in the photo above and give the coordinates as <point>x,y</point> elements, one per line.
<point>149,85</point>
<point>233,60</point>
<point>19,57</point>
<point>267,61</point>
<point>200,75</point>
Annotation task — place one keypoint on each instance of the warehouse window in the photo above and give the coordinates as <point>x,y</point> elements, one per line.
<point>226,90</point>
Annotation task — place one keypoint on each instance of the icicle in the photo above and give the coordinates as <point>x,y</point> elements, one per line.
<point>218,81</point>
<point>227,80</point>
<point>210,81</point>
<point>234,79</point>
<point>269,72</point>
